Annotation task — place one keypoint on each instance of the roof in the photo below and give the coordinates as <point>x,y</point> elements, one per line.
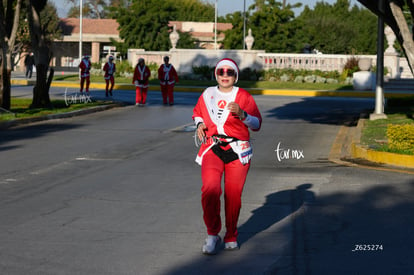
<point>101,30</point>
<point>70,26</point>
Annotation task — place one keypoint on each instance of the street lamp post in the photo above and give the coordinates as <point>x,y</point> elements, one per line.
<point>379,90</point>
<point>244,25</point>
<point>80,30</point>
<point>215,26</point>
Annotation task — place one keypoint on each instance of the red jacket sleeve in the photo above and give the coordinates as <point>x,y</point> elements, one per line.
<point>248,104</point>
<point>160,73</point>
<point>175,75</point>
<point>135,77</point>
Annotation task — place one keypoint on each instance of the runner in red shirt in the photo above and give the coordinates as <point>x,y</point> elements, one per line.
<point>223,116</point>
<point>85,67</point>
<point>168,77</point>
<point>109,69</point>
<point>141,81</point>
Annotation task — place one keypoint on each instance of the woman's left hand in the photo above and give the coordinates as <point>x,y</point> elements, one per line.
<point>235,108</point>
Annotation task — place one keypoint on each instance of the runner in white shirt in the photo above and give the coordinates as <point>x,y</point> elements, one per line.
<point>223,116</point>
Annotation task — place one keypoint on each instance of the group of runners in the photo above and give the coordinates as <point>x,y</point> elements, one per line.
<point>167,76</point>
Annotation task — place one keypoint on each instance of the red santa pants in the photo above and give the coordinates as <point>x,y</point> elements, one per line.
<point>167,92</point>
<point>141,95</point>
<point>108,80</point>
<point>86,79</point>
<point>235,174</point>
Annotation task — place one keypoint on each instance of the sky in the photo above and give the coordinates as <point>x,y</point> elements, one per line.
<point>223,6</point>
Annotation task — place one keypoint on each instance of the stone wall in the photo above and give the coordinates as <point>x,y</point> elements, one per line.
<point>185,59</point>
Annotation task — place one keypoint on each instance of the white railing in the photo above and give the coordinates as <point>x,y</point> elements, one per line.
<point>184,59</point>
<point>322,62</point>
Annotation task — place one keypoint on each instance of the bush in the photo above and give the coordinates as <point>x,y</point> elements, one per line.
<point>350,67</point>
<point>278,74</point>
<point>206,71</point>
<point>248,74</point>
<point>153,66</point>
<point>285,75</point>
<point>123,67</point>
<point>401,137</point>
<point>96,66</point>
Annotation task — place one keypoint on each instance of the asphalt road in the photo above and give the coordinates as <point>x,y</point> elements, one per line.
<point>118,192</point>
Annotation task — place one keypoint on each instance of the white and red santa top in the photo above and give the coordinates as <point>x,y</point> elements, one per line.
<point>211,109</point>
<point>167,74</point>
<point>85,66</point>
<point>109,68</point>
<point>141,74</point>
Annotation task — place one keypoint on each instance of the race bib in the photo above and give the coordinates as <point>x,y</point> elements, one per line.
<point>243,149</point>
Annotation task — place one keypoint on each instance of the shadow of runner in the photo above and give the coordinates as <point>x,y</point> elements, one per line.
<point>270,213</point>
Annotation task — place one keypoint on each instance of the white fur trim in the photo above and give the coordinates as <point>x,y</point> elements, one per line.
<point>228,63</point>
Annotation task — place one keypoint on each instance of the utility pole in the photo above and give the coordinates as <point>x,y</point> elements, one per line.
<point>215,26</point>
<point>80,31</point>
<point>379,91</point>
<point>244,25</point>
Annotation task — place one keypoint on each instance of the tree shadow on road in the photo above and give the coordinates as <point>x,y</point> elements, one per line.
<point>30,132</point>
<point>335,111</point>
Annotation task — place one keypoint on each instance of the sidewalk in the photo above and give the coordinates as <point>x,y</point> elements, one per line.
<point>346,149</point>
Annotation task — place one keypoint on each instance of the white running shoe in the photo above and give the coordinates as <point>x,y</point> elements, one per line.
<point>211,244</point>
<point>231,246</point>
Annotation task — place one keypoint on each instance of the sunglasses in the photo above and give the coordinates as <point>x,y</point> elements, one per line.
<point>229,72</point>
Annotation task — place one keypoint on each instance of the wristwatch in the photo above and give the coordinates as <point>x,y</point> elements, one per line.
<point>244,115</point>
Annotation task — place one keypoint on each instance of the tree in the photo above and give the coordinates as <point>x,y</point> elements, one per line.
<point>112,10</point>
<point>234,38</point>
<point>365,26</point>
<point>338,29</point>
<point>95,9</point>
<point>392,12</point>
<point>272,23</point>
<point>144,23</point>
<point>272,26</point>
<point>9,22</point>
<point>42,20</point>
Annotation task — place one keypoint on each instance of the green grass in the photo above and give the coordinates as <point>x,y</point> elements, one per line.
<point>20,108</point>
<point>374,133</point>
<point>243,84</point>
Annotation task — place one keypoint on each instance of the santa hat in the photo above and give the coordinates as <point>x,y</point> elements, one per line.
<point>228,62</point>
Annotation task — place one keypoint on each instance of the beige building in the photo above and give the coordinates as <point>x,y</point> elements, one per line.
<point>96,40</point>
